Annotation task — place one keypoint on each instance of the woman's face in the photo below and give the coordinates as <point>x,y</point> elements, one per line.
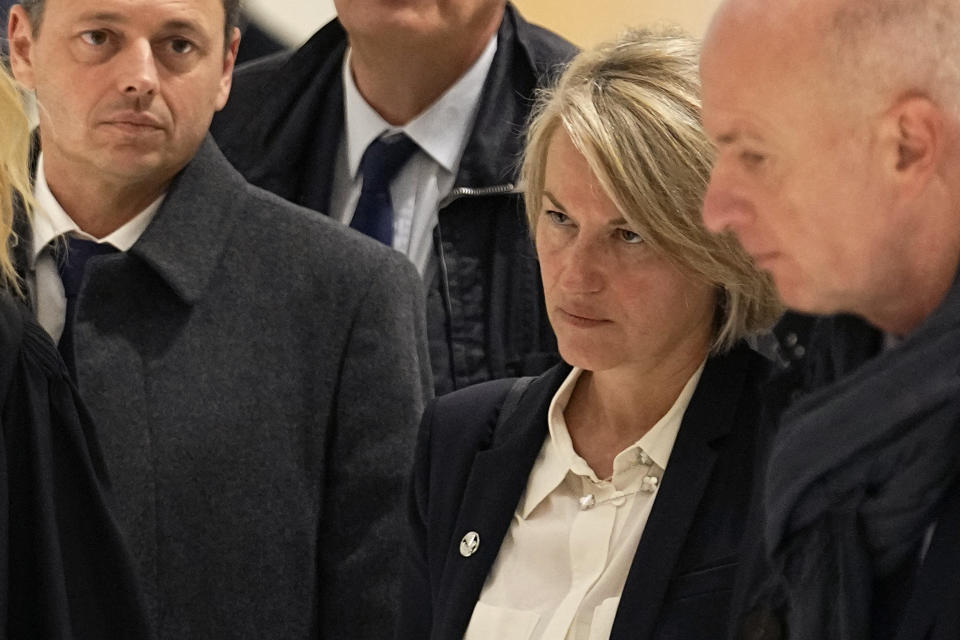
<point>613,301</point>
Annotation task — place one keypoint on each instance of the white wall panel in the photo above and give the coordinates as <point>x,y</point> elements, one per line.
<point>292,21</point>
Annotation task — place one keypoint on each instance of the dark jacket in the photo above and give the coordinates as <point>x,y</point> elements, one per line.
<point>64,571</point>
<point>257,403</point>
<point>469,476</point>
<point>917,603</point>
<point>485,314</point>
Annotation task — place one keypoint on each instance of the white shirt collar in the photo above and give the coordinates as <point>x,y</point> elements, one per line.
<point>441,131</point>
<point>50,221</point>
<point>557,457</point>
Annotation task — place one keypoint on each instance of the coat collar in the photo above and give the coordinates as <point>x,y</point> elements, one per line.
<point>186,239</point>
<point>184,242</point>
<point>491,160</point>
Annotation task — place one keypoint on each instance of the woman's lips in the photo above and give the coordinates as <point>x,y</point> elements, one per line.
<point>581,318</point>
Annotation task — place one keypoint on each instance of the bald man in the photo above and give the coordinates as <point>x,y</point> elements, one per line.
<point>837,124</point>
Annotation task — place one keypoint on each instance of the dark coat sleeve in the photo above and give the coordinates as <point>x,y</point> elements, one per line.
<point>68,573</point>
<point>384,382</point>
<point>416,599</point>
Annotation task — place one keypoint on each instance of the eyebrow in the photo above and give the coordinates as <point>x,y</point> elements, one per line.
<point>728,138</point>
<point>613,223</point>
<point>554,199</point>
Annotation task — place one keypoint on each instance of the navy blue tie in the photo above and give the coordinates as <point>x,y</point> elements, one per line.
<point>381,162</point>
<point>71,267</point>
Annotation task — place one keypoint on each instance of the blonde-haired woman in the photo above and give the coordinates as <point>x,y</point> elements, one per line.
<point>64,572</point>
<point>607,497</point>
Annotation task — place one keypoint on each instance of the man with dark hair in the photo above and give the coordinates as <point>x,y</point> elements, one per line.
<point>837,124</point>
<point>255,370</point>
<point>446,87</point>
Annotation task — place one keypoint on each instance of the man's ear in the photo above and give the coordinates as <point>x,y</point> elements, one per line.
<point>20,35</point>
<point>229,60</point>
<point>913,138</point>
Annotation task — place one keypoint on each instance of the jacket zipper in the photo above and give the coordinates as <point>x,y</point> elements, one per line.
<point>472,192</point>
<point>456,194</point>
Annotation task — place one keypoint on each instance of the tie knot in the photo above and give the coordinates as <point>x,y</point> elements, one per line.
<point>383,159</point>
<point>72,260</point>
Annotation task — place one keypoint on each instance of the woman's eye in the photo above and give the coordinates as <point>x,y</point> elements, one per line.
<point>94,38</point>
<point>556,217</point>
<point>628,236</point>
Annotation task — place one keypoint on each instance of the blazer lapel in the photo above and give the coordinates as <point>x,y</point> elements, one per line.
<point>708,417</point>
<point>496,482</point>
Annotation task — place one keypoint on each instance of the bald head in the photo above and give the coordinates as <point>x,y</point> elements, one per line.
<point>868,50</point>
<point>836,124</point>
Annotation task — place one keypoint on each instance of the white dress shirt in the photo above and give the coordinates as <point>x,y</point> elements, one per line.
<point>50,222</point>
<point>441,132</point>
<point>565,558</point>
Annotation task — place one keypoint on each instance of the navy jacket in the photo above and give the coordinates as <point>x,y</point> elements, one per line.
<point>469,476</point>
<point>485,313</point>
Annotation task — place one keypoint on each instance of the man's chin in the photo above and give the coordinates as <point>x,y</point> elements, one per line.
<point>805,297</point>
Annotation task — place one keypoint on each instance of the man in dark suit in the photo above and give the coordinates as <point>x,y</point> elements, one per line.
<point>256,371</point>
<point>838,129</point>
<point>456,78</point>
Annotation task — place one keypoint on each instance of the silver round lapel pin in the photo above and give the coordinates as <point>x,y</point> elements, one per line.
<point>469,544</point>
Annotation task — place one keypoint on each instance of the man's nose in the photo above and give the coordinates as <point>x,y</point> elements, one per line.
<point>725,207</point>
<point>138,73</point>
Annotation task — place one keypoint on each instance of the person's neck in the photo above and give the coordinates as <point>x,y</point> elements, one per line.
<point>610,410</point>
<point>101,206</point>
<point>901,314</point>
<point>916,291</point>
<point>401,82</point>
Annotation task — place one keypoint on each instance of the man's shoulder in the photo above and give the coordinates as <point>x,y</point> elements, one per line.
<point>307,238</point>
<point>544,48</point>
<point>279,79</point>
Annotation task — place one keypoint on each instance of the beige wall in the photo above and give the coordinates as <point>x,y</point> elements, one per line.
<point>587,22</point>
<point>583,21</point>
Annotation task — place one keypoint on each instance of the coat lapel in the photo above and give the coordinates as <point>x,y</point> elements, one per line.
<point>709,416</point>
<point>497,480</point>
<point>184,242</point>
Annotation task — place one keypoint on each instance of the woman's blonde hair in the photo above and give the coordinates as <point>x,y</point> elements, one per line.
<point>14,174</point>
<point>632,108</point>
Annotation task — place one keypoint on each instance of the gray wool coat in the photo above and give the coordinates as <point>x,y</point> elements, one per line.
<point>256,372</point>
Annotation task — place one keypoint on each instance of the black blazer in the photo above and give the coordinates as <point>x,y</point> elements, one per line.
<point>470,474</point>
